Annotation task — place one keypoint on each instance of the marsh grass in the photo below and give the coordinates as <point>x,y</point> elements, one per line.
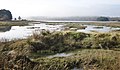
<point>57,41</point>
<point>75,25</point>
<point>14,23</point>
<point>94,59</point>
<point>85,59</point>
<point>109,24</point>
<point>98,51</point>
<point>49,43</point>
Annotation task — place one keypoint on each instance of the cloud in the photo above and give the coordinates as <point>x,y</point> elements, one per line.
<point>62,7</point>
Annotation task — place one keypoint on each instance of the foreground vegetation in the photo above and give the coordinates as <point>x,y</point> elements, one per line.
<point>85,59</point>
<point>99,51</point>
<point>95,59</point>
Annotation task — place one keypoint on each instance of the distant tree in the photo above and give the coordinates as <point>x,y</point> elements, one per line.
<point>5,15</point>
<point>119,20</point>
<point>102,19</point>
<point>19,18</point>
<point>15,19</point>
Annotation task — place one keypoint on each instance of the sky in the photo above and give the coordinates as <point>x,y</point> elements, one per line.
<point>61,8</point>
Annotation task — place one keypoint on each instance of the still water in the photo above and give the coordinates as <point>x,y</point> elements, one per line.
<point>21,32</point>
<point>91,28</point>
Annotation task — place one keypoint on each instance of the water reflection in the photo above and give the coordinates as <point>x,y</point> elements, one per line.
<point>4,28</point>
<point>60,55</point>
<point>20,32</point>
<point>91,28</point>
<point>75,68</point>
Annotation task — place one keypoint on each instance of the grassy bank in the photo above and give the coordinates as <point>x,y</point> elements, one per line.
<point>84,59</point>
<point>6,25</point>
<point>109,24</point>
<point>98,51</point>
<point>14,23</point>
<point>94,59</point>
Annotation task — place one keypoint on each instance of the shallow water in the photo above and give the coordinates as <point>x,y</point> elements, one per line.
<point>20,32</point>
<point>91,28</point>
<point>77,68</point>
<point>60,55</point>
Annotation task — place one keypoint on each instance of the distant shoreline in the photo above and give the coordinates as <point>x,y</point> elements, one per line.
<point>48,21</point>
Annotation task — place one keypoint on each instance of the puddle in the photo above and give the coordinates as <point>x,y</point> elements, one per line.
<point>60,55</point>
<point>77,68</point>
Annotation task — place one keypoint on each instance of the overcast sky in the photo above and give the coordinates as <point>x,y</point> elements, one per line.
<point>26,8</point>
